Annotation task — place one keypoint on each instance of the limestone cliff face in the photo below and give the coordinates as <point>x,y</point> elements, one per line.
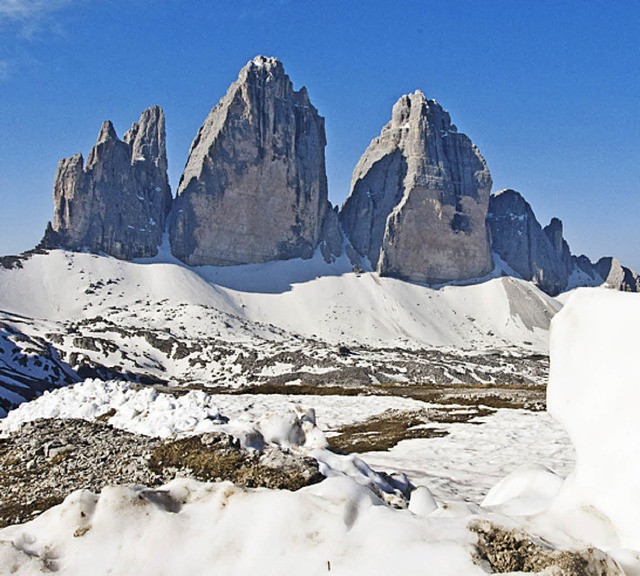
<point>617,276</point>
<point>419,198</point>
<point>254,188</point>
<point>541,256</point>
<point>118,201</point>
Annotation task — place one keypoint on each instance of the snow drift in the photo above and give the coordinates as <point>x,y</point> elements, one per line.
<point>594,392</point>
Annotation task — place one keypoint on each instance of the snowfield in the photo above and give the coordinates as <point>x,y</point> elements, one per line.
<point>306,297</point>
<point>66,317</point>
<point>446,505</point>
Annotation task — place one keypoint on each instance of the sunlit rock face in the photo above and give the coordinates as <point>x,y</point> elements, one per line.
<point>419,198</point>
<point>254,188</point>
<point>118,201</point>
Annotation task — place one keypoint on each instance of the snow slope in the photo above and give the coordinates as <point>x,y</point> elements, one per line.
<point>309,298</point>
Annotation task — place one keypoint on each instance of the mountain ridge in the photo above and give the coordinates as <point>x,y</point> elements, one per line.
<point>254,190</point>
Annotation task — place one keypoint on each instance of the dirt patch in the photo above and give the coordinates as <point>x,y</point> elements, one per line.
<point>507,550</point>
<point>383,432</point>
<point>216,456</point>
<point>529,397</point>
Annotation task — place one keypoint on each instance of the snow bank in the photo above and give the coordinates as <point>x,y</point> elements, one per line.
<point>188,527</point>
<point>143,410</point>
<point>594,392</point>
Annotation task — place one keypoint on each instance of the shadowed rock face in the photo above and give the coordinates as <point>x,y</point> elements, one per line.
<point>541,256</point>
<point>419,198</point>
<point>118,201</point>
<point>254,188</point>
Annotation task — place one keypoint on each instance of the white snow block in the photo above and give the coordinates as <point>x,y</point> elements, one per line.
<point>422,502</point>
<point>529,489</point>
<point>594,392</point>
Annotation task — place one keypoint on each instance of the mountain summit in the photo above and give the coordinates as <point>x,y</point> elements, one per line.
<point>254,188</point>
<point>117,202</point>
<point>419,198</point>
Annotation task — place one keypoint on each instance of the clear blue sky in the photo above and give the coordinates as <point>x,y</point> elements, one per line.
<point>548,91</point>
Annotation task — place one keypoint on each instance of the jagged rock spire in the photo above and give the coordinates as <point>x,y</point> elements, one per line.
<point>419,197</point>
<point>118,202</point>
<point>536,254</point>
<point>254,188</point>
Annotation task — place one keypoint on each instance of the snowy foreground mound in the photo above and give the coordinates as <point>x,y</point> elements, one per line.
<point>594,392</point>
<point>358,521</point>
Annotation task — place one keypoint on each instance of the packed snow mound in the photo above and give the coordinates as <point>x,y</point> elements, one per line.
<point>594,392</point>
<point>187,527</point>
<point>529,489</point>
<point>306,297</point>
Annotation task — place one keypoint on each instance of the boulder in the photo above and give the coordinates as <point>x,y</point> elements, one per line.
<point>419,198</point>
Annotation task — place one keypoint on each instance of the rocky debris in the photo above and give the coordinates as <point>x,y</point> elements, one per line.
<point>509,550</point>
<point>541,256</point>
<point>254,188</point>
<point>152,347</point>
<point>118,201</point>
<point>47,459</point>
<point>29,365</point>
<point>419,198</point>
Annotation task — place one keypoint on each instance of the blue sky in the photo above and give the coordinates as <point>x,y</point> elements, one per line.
<point>548,91</point>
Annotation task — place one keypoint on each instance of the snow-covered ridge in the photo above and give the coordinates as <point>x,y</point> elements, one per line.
<point>309,298</point>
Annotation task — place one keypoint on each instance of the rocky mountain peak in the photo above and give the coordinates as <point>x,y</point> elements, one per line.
<point>541,256</point>
<point>117,202</point>
<point>107,132</point>
<point>146,138</point>
<point>419,197</point>
<point>268,64</point>
<point>254,188</point>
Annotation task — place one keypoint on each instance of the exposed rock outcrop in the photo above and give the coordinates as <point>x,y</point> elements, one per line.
<point>554,231</point>
<point>617,276</point>
<point>508,550</point>
<point>331,236</point>
<point>254,188</point>
<point>542,256</point>
<point>118,201</point>
<point>419,198</point>
<point>45,460</point>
